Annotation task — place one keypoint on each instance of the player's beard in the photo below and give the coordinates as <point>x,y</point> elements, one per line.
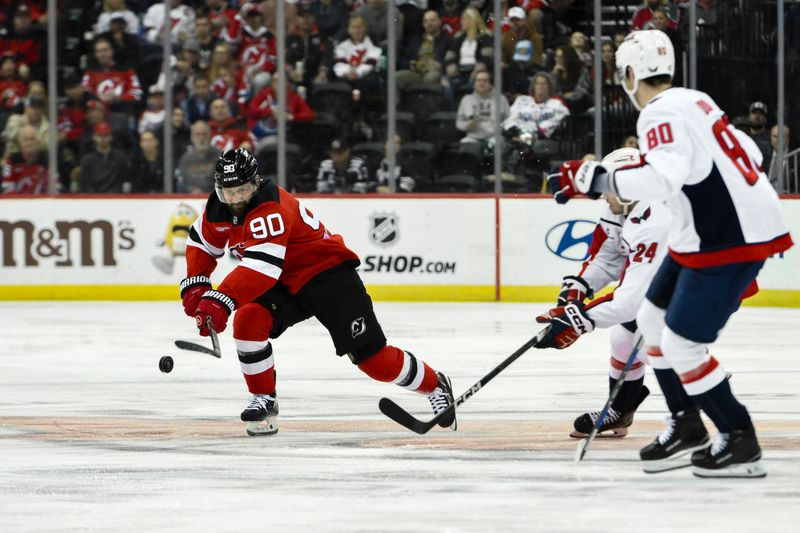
<point>238,209</point>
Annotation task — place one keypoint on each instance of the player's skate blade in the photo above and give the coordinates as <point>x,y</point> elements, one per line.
<point>678,460</point>
<point>616,433</point>
<point>732,455</point>
<point>261,415</point>
<point>263,428</point>
<point>673,448</point>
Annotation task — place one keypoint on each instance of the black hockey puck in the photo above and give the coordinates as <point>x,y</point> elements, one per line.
<point>166,364</point>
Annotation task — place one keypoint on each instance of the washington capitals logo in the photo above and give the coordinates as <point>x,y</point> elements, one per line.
<point>639,220</point>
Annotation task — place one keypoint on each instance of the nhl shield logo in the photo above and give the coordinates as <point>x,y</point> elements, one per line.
<point>383,229</point>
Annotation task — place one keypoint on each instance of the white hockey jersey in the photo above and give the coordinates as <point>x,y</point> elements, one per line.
<point>361,58</point>
<point>541,119</point>
<point>709,174</point>
<point>629,250</point>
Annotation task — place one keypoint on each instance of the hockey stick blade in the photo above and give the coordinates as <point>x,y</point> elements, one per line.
<point>583,445</point>
<point>407,420</point>
<point>194,347</point>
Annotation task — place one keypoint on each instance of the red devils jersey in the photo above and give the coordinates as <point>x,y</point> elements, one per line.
<point>21,177</point>
<point>12,91</point>
<point>278,239</point>
<point>124,84</point>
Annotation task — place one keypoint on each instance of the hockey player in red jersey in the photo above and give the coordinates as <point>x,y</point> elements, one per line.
<point>291,268</point>
<point>728,221</point>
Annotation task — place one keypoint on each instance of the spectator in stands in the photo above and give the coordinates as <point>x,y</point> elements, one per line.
<point>355,58</point>
<point>25,171</point>
<point>96,112</point>
<point>262,111</point>
<point>181,135</point>
<point>255,42</point>
<point>403,181</point>
<point>35,116</point>
<point>477,115</point>
<point>184,69</point>
<point>26,43</point>
<point>147,167</point>
<point>116,86</point>
<point>181,18</point>
<point>204,38</point>
<point>308,53</point>
<point>196,165</point>
<point>759,131</point>
<point>71,123</point>
<point>343,172</point>
<point>472,50</point>
<point>226,132</point>
<point>424,55</point>
<point>617,38</point>
<point>152,118</point>
<point>609,62</point>
<point>331,17</point>
<point>113,9</point>
<point>631,141</point>
<point>535,116</point>
<point>580,42</point>
<point>572,79</point>
<point>450,15</point>
<point>521,30</point>
<point>642,17</point>
<point>218,13</point>
<point>374,15</point>
<point>198,105</point>
<point>227,79</point>
<point>777,173</point>
<point>104,169</point>
<point>125,44</point>
<point>12,86</point>
<point>517,75</point>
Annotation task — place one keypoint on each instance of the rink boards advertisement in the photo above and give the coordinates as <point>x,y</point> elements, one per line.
<point>420,247</point>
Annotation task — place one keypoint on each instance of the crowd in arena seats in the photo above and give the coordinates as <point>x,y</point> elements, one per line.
<point>223,79</point>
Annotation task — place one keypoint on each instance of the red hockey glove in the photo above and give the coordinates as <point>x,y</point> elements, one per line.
<point>216,305</point>
<point>574,288</point>
<point>575,177</point>
<point>567,323</point>
<point>192,290</point>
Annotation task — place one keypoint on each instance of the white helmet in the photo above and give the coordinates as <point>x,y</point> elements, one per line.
<point>648,53</point>
<point>619,158</point>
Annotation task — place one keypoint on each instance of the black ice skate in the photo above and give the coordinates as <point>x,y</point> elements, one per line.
<point>672,449</point>
<point>441,398</point>
<point>734,454</point>
<point>615,425</point>
<point>261,415</point>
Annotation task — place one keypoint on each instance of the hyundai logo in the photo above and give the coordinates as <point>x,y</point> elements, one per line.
<point>570,240</point>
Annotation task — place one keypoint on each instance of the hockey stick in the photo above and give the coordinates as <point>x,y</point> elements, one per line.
<point>404,418</point>
<point>194,347</point>
<point>583,445</point>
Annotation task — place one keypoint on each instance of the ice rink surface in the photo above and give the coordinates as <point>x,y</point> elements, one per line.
<point>94,438</point>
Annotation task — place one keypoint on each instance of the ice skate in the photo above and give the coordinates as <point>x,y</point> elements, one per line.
<point>615,425</point>
<point>261,415</point>
<point>734,454</point>
<point>441,398</point>
<point>672,449</point>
